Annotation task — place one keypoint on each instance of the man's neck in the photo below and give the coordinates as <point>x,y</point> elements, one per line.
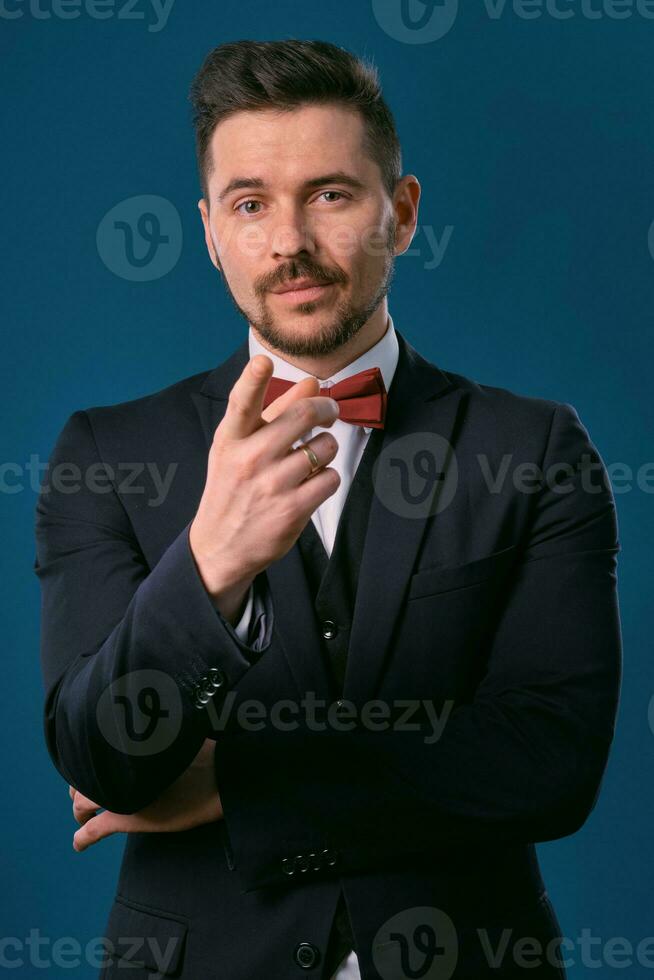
<point>329,364</point>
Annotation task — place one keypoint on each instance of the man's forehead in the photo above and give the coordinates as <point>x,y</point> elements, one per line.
<point>332,132</point>
<point>327,115</point>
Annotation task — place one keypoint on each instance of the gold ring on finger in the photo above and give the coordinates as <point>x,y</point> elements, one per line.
<point>311,456</point>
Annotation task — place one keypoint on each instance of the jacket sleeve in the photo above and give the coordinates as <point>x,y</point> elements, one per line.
<point>521,762</point>
<point>130,655</point>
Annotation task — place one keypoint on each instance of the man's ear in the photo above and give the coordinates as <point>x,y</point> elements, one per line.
<point>213,255</point>
<point>405,202</point>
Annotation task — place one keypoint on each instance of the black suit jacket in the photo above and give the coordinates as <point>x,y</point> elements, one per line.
<point>494,602</point>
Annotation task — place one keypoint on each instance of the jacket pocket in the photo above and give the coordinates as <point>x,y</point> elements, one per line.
<point>140,936</point>
<point>436,579</point>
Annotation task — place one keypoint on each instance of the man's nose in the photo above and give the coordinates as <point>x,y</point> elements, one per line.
<point>291,233</point>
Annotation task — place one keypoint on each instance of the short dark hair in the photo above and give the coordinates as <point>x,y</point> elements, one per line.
<point>283,75</point>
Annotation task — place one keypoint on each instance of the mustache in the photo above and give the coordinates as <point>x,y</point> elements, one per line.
<point>299,270</point>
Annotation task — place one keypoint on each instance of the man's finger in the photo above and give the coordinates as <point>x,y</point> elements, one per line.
<point>306,388</point>
<point>84,808</point>
<point>273,441</point>
<point>243,415</point>
<point>105,824</point>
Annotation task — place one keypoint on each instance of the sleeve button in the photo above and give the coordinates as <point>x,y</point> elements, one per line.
<point>314,861</point>
<point>200,698</point>
<point>301,862</point>
<point>216,677</point>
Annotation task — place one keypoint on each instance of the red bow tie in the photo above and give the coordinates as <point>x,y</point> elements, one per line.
<point>361,397</point>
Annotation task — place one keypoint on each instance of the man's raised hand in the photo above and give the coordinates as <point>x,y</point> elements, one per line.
<point>257,498</point>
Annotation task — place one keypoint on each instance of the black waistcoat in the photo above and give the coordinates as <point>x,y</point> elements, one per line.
<point>333,583</point>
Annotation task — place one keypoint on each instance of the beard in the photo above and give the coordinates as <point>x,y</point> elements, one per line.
<point>340,326</point>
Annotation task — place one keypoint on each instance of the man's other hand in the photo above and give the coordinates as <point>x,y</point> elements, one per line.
<point>190,801</point>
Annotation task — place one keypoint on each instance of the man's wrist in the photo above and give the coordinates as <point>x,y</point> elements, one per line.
<point>228,593</point>
<point>231,602</point>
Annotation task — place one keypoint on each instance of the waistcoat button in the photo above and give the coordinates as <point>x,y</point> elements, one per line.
<point>329,629</point>
<point>306,955</point>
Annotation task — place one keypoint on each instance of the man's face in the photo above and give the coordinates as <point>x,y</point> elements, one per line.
<point>310,205</point>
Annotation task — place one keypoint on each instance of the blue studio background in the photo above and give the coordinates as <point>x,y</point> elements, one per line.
<point>531,133</point>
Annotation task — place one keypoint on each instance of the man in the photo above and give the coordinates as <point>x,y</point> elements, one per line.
<point>366,651</point>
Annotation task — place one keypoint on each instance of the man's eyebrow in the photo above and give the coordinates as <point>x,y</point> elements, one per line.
<point>257,183</point>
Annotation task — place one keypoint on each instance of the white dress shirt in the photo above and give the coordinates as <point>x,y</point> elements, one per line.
<point>352,441</point>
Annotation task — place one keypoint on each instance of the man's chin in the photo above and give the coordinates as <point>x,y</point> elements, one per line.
<point>302,336</point>
<point>299,339</point>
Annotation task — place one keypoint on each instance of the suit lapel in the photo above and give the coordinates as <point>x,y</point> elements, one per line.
<point>211,400</point>
<point>392,537</point>
<point>423,407</point>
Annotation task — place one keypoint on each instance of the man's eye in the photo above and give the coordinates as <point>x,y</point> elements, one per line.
<point>242,205</point>
<point>339,195</point>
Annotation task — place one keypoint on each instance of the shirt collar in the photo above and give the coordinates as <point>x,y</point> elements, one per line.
<point>384,355</point>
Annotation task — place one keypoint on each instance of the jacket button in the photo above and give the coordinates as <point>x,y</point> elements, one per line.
<point>306,955</point>
<point>329,629</point>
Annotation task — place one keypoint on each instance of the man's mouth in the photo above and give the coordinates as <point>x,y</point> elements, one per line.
<point>302,289</point>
